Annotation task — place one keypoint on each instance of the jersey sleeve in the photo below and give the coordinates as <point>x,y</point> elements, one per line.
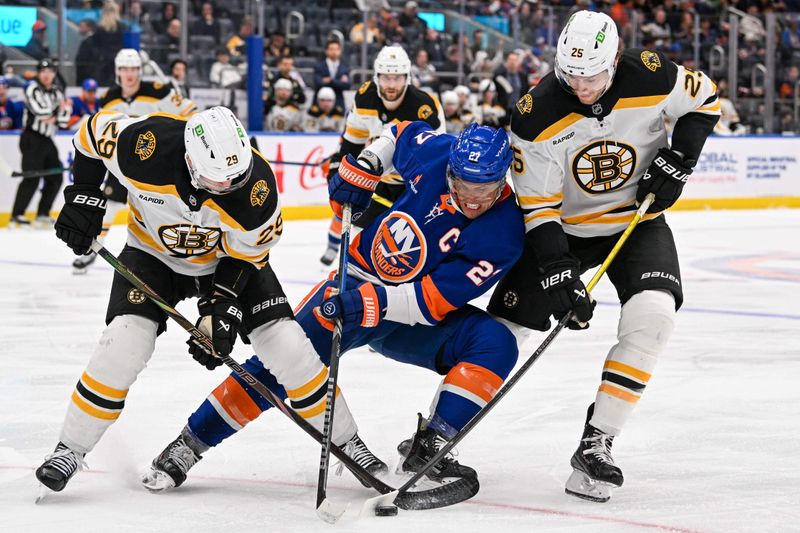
<point>253,246</point>
<point>538,181</point>
<point>176,104</point>
<point>475,267</point>
<point>97,137</point>
<point>358,125</point>
<point>695,105</point>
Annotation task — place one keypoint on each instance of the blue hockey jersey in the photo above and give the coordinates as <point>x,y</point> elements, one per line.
<point>430,257</point>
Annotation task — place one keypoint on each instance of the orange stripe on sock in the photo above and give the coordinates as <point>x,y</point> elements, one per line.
<point>312,385</point>
<point>93,411</point>
<point>236,402</point>
<point>616,392</point>
<point>105,390</point>
<point>476,379</point>
<point>627,369</point>
<point>336,226</point>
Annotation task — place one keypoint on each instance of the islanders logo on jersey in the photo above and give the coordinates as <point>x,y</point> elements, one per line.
<point>398,249</point>
<point>603,166</point>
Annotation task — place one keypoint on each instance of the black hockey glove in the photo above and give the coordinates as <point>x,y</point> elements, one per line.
<point>81,217</point>
<point>220,319</point>
<point>665,178</point>
<point>566,292</point>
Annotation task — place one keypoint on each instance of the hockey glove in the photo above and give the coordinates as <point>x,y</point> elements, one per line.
<point>220,319</point>
<point>566,292</point>
<point>364,306</point>
<point>352,184</point>
<point>665,178</point>
<point>81,217</point>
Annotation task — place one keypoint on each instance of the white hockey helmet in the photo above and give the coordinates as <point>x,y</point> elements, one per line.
<point>587,46</point>
<point>127,57</point>
<point>326,93</point>
<point>487,85</point>
<point>218,151</point>
<point>283,83</point>
<point>450,98</point>
<point>392,60</point>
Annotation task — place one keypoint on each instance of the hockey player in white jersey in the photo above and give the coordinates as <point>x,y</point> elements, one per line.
<point>590,144</point>
<point>205,214</point>
<point>283,113</point>
<point>135,98</point>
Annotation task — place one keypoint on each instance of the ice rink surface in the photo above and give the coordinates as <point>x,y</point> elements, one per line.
<point>712,446</point>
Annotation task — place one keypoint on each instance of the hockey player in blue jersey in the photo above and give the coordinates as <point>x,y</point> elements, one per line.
<point>411,274</point>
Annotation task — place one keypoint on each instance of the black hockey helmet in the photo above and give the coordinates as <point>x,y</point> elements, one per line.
<point>46,63</point>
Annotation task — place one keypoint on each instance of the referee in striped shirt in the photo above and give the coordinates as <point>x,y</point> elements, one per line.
<point>46,110</point>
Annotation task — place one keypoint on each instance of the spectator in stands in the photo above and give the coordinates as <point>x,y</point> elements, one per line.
<point>488,111</point>
<point>276,49</point>
<point>787,125</point>
<point>729,121</point>
<point>37,47</point>
<point>423,74</point>
<point>658,30</point>
<point>455,120</point>
<point>751,27</point>
<point>86,56</point>
<point>287,71</point>
<point>332,71</point>
<point>283,114</point>
<point>237,44</point>
<point>478,43</point>
<point>498,8</point>
<point>434,45</point>
<point>788,82</point>
<point>510,81</point>
<point>135,18</point>
<point>223,74</point>
<point>393,32</point>
<point>178,70</point>
<point>621,14</point>
<point>84,105</point>
<point>10,111</point>
<point>107,41</point>
<point>409,18</point>
<point>374,34</point>
<point>464,98</point>
<point>174,33</point>
<point>207,24</point>
<point>451,65</point>
<point>326,114</point>
<point>168,12</point>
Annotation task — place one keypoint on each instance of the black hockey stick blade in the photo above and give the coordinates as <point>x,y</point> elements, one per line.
<point>403,500</point>
<point>38,173</point>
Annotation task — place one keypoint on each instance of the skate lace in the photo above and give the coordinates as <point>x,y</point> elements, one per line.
<point>65,461</point>
<point>599,447</point>
<point>438,443</point>
<point>182,455</point>
<point>358,452</point>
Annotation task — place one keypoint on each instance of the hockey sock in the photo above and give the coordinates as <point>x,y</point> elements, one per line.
<point>99,396</point>
<point>464,391</point>
<point>646,323</point>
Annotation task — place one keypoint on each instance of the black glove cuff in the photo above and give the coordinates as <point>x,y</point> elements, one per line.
<point>548,242</point>
<point>86,196</point>
<point>220,306</point>
<point>671,165</point>
<point>232,275</point>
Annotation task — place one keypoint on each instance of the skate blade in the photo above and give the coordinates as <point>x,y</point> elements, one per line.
<point>368,509</point>
<point>331,512</point>
<point>41,496</point>
<point>157,481</point>
<point>582,486</point>
<point>79,271</point>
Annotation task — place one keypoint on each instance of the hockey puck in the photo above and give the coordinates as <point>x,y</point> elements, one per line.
<point>386,510</point>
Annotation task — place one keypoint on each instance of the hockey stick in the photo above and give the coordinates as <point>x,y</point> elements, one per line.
<point>427,499</point>
<point>326,510</point>
<point>381,500</point>
<point>26,174</point>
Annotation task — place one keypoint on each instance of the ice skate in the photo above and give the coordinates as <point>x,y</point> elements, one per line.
<point>82,262</point>
<point>44,222</point>
<point>595,474</point>
<point>358,451</point>
<point>58,468</point>
<point>19,222</point>
<point>329,256</point>
<point>418,450</point>
<point>169,469</point>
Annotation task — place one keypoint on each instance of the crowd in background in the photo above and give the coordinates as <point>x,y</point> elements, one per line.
<point>495,77</point>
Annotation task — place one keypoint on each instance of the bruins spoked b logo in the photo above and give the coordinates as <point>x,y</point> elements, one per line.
<point>186,240</point>
<point>603,166</point>
<point>135,296</point>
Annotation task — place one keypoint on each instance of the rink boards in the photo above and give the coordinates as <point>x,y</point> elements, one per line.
<point>733,172</point>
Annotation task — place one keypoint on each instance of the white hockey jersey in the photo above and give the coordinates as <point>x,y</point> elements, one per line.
<point>580,165</point>
<point>152,97</point>
<point>284,118</point>
<point>187,229</point>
